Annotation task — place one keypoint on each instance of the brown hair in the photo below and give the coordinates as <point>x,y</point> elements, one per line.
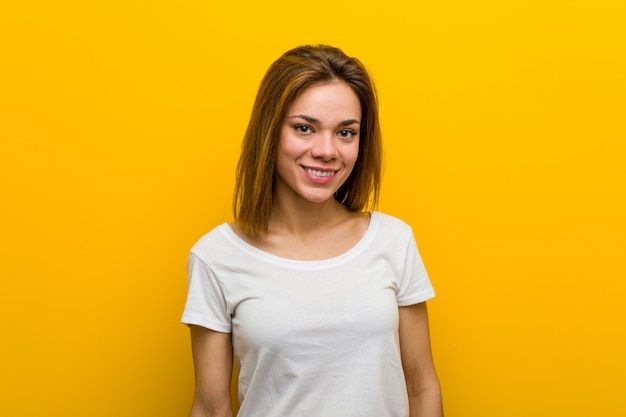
<point>291,74</point>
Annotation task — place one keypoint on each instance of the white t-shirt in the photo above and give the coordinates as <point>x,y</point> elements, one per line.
<point>312,338</point>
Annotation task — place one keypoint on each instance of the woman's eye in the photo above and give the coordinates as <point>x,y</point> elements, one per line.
<point>346,134</point>
<point>303,129</point>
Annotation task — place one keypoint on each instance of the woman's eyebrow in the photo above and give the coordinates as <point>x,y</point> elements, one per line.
<point>309,119</point>
<point>349,122</point>
<point>315,121</point>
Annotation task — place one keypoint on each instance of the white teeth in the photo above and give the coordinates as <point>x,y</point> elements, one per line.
<point>320,173</point>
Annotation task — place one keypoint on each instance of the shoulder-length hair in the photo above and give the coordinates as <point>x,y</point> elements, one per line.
<point>291,74</point>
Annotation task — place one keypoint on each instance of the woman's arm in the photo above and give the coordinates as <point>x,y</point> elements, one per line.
<point>421,379</point>
<point>213,365</point>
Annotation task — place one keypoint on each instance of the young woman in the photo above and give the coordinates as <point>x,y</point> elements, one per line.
<point>322,301</point>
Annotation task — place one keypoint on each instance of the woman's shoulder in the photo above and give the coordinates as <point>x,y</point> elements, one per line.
<point>391,223</point>
<point>214,240</point>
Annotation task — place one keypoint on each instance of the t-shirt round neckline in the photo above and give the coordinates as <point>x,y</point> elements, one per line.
<point>227,230</point>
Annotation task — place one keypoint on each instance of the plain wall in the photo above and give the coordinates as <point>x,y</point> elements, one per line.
<point>504,129</point>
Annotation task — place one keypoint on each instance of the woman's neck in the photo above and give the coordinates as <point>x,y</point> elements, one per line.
<point>304,230</point>
<point>302,218</point>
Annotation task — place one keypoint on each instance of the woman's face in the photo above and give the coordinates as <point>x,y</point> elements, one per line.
<point>319,143</point>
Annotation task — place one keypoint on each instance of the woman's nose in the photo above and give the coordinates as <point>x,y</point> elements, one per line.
<point>324,147</point>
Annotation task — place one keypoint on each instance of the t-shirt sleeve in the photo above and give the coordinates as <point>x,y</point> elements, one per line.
<point>414,285</point>
<point>206,304</point>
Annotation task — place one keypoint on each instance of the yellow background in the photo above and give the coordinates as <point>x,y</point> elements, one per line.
<point>504,125</point>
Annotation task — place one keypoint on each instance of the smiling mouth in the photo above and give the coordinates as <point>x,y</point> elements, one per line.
<point>319,173</point>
